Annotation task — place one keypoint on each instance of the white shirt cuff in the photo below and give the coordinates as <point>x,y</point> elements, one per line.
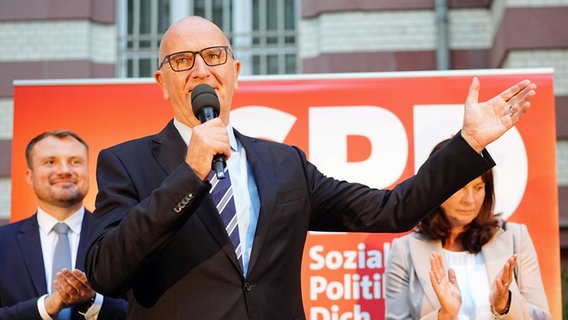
<point>41,308</point>
<point>93,312</point>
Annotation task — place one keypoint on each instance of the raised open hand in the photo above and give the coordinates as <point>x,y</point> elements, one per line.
<point>446,287</point>
<point>485,122</point>
<point>499,295</point>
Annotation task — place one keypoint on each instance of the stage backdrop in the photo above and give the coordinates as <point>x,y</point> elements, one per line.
<point>375,128</point>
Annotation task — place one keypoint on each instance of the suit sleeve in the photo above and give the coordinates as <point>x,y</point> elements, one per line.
<point>113,309</point>
<point>397,282</point>
<point>22,310</point>
<point>343,206</point>
<point>134,219</point>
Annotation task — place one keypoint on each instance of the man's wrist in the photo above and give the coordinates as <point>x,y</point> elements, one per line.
<point>85,306</point>
<point>472,142</point>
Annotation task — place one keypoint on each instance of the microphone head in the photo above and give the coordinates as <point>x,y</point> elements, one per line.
<point>204,96</point>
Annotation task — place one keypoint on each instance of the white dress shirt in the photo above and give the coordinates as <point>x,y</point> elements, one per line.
<point>48,238</point>
<point>471,274</point>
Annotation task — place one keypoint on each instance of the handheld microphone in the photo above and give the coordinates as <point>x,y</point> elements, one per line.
<point>205,104</point>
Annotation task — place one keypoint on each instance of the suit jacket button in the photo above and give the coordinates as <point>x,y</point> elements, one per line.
<point>187,199</point>
<point>248,287</point>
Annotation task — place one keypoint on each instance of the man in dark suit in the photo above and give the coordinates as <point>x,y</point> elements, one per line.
<point>159,236</point>
<point>58,173</point>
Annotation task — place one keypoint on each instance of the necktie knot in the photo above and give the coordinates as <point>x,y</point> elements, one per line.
<point>61,228</point>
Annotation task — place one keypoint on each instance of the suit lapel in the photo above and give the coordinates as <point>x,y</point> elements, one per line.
<point>169,149</point>
<point>83,241</point>
<point>259,159</point>
<point>420,252</point>
<point>30,246</point>
<point>496,253</point>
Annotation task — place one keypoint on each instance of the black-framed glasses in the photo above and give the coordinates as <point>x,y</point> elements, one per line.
<point>184,60</point>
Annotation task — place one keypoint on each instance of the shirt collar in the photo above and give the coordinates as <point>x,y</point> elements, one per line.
<point>185,133</point>
<point>47,222</point>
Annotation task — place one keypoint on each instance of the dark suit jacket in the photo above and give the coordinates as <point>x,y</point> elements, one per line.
<point>159,237</point>
<point>22,272</point>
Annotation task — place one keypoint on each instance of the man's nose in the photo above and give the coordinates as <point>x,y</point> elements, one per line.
<point>64,167</point>
<point>200,67</point>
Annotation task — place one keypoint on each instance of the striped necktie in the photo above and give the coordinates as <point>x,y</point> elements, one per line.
<point>222,194</point>
<point>61,259</point>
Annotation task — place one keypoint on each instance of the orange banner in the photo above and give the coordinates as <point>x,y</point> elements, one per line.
<point>349,125</point>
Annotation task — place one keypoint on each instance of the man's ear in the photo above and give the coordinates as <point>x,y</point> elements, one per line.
<point>237,73</point>
<point>159,78</point>
<point>29,176</point>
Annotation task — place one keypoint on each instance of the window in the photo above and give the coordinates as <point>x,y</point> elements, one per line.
<point>262,32</point>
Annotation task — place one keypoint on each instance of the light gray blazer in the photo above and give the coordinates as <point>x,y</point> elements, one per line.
<point>409,294</point>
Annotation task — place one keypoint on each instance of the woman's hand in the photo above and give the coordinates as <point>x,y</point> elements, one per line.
<point>499,296</point>
<point>446,288</point>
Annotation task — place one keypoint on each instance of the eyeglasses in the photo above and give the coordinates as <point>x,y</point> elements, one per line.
<point>184,60</point>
